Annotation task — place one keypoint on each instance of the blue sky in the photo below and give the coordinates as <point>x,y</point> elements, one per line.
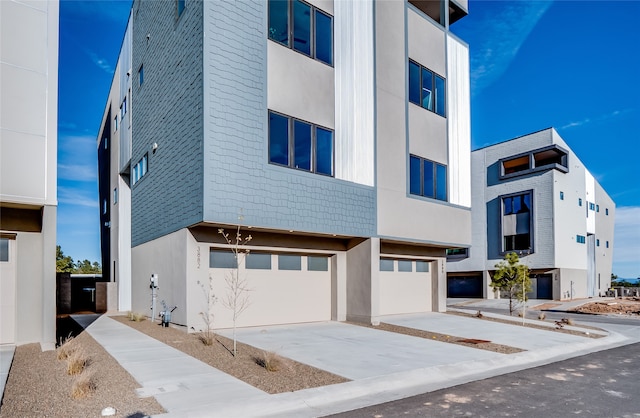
<point>572,65</point>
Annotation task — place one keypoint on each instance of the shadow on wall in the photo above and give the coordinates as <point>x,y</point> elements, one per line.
<point>494,235</point>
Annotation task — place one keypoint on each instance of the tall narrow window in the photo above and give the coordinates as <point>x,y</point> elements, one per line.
<point>141,75</point>
<point>440,96</point>
<point>324,151</point>
<point>302,27</point>
<point>4,250</point>
<point>302,145</point>
<point>279,21</point>
<point>414,83</point>
<point>180,4</point>
<point>427,89</point>
<point>517,214</point>
<point>324,38</point>
<point>115,196</point>
<point>278,139</point>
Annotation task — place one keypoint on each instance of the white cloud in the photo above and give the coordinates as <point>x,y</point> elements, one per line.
<point>600,118</point>
<point>101,63</point>
<point>499,36</point>
<point>77,197</point>
<point>626,248</point>
<point>76,172</point>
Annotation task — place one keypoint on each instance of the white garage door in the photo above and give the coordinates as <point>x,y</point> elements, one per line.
<point>405,286</point>
<point>7,290</point>
<point>280,288</point>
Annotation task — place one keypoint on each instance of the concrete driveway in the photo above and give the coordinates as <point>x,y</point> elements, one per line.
<point>353,351</point>
<point>514,335</point>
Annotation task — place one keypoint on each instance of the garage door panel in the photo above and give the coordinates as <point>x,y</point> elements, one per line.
<point>405,292</point>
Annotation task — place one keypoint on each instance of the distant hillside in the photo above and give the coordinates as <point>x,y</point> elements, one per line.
<point>631,281</point>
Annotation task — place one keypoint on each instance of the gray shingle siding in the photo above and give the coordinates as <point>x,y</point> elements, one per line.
<point>235,149</point>
<point>167,109</point>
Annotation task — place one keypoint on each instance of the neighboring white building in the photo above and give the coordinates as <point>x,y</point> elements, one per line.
<point>532,195</point>
<point>339,130</point>
<point>28,171</point>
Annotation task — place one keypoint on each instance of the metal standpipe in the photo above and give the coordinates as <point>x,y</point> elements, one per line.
<point>154,295</point>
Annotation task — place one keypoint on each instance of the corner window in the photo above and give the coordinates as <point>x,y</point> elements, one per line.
<point>140,169</point>
<point>517,224</point>
<point>427,178</point>
<point>541,159</point>
<point>580,239</point>
<point>301,145</point>
<point>427,89</point>
<point>434,9</point>
<point>302,27</point>
<point>180,5</point>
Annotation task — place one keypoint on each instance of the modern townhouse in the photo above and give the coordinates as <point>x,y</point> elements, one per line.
<point>335,133</point>
<point>28,171</point>
<point>533,196</point>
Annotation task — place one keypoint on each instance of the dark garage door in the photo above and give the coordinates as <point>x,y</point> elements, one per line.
<point>464,287</point>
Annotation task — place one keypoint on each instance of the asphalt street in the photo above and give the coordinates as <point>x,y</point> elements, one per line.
<point>602,384</point>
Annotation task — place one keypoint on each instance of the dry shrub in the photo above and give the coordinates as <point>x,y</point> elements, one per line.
<point>207,337</point>
<point>568,321</point>
<point>65,349</point>
<point>479,314</point>
<point>77,361</point>
<point>83,385</point>
<point>271,361</point>
<point>135,316</point>
<point>542,316</point>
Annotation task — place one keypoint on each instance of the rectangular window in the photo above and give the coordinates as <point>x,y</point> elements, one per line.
<point>302,27</point>
<point>427,89</point>
<point>315,263</point>
<point>405,265</point>
<point>104,206</point>
<point>606,211</point>
<point>123,108</point>
<point>579,202</point>
<point>180,5</point>
<point>427,178</point>
<point>597,242</point>
<point>422,266</point>
<point>592,206</point>
<point>580,239</point>
<point>222,259</point>
<point>517,215</point>
<point>140,169</point>
<point>4,250</point>
<point>258,261</point>
<point>561,195</point>
<point>386,264</point>
<point>457,253</point>
<point>607,244</point>
<point>141,75</point>
<point>298,144</point>
<point>115,124</point>
<point>289,262</point>
<point>115,195</point>
<point>597,208</point>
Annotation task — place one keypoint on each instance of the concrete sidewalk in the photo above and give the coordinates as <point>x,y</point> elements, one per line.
<point>384,366</point>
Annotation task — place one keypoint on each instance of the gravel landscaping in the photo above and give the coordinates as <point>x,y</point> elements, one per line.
<point>38,385</point>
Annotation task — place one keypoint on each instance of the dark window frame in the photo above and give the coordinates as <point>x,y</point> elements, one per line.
<point>563,166</point>
<point>501,199</point>
<point>434,92</point>
<point>581,239</point>
<point>457,253</point>
<point>435,166</point>
<point>180,10</point>
<point>314,145</point>
<point>312,30</point>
